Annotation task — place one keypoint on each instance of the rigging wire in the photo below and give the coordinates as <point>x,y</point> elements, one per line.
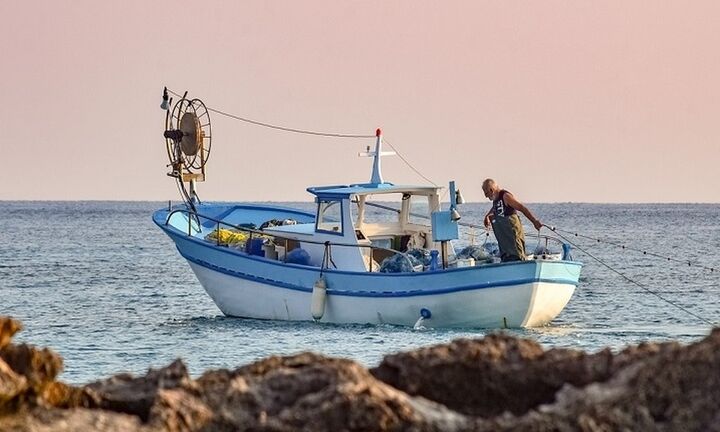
<point>409,164</point>
<point>682,308</point>
<point>644,252</point>
<point>282,128</point>
<point>315,133</point>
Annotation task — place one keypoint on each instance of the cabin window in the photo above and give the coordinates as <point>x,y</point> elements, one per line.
<point>419,210</point>
<point>330,216</point>
<point>385,210</point>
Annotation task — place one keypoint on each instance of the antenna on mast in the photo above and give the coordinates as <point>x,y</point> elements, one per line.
<point>376,177</point>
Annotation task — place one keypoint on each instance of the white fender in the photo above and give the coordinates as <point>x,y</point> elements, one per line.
<point>319,294</point>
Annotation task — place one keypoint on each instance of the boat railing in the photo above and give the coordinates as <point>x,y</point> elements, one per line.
<point>541,238</point>
<point>543,242</point>
<point>264,234</point>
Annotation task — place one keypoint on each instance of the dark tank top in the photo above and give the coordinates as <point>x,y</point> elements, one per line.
<point>500,208</point>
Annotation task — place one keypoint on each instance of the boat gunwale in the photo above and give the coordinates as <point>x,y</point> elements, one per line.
<point>173,232</point>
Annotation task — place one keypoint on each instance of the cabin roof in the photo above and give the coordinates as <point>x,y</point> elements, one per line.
<point>345,191</point>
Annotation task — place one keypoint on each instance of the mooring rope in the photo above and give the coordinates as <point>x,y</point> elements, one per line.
<point>682,308</point>
<point>644,252</point>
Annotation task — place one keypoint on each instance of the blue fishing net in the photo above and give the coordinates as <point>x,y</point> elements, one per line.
<point>422,255</point>
<point>399,263</point>
<point>298,256</point>
<point>478,253</point>
<point>492,249</point>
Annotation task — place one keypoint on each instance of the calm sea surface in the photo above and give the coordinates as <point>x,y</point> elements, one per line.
<point>104,287</point>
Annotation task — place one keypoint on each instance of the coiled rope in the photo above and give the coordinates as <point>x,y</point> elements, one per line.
<point>634,282</point>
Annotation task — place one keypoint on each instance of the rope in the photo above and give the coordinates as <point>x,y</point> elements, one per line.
<point>631,280</point>
<point>409,164</point>
<point>308,132</point>
<point>327,259</point>
<point>644,252</point>
<point>282,128</point>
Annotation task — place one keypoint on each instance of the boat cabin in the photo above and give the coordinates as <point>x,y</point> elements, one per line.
<point>374,221</point>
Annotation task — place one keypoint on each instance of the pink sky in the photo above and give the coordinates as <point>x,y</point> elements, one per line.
<point>613,101</point>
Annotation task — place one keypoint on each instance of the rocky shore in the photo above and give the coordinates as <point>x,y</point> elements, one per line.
<point>498,383</point>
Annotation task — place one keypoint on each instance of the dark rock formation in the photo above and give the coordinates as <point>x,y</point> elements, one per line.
<point>127,394</point>
<point>498,383</point>
<point>499,373</point>
<point>312,392</point>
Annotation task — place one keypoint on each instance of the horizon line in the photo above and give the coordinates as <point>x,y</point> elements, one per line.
<point>312,202</point>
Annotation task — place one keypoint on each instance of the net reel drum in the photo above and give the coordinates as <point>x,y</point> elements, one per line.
<point>188,138</point>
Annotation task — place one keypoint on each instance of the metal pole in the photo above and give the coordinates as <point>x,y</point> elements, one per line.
<point>444,250</point>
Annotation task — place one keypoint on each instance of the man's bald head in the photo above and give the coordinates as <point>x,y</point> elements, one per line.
<point>489,187</point>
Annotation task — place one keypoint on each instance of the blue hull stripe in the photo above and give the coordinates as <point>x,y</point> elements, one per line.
<point>374,293</point>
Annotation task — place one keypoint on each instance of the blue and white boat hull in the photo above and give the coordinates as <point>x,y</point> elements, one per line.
<point>529,304</point>
<point>519,294</point>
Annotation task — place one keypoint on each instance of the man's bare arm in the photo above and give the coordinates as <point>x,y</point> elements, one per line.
<point>512,202</point>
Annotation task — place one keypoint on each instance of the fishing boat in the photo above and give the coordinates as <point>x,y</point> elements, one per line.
<point>343,263</point>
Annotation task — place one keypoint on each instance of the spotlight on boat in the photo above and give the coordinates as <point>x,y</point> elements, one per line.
<point>454,215</point>
<point>165,105</point>
<point>459,198</point>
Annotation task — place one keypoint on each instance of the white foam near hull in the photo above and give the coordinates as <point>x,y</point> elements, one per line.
<point>529,304</point>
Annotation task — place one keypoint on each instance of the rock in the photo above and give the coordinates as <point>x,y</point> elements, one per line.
<point>499,383</point>
<point>650,387</point>
<point>312,392</point>
<point>79,419</point>
<point>178,410</point>
<point>8,327</point>
<point>39,366</point>
<point>127,394</point>
<point>486,377</point>
<point>11,386</point>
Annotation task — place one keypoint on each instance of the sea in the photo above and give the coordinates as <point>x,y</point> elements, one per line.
<point>104,287</point>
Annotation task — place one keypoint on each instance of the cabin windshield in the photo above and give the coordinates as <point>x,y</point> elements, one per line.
<point>382,209</point>
<point>397,221</point>
<point>329,216</point>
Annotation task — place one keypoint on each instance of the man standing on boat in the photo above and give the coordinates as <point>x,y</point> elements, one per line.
<point>506,222</point>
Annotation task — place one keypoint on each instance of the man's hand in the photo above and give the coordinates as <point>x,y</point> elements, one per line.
<point>488,224</point>
<point>537,224</point>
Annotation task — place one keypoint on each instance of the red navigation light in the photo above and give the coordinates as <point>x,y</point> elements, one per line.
<point>378,132</point>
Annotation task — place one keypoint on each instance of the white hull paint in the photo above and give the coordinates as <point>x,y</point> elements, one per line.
<point>529,304</point>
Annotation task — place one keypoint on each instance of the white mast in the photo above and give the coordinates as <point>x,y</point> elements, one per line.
<point>376,177</point>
